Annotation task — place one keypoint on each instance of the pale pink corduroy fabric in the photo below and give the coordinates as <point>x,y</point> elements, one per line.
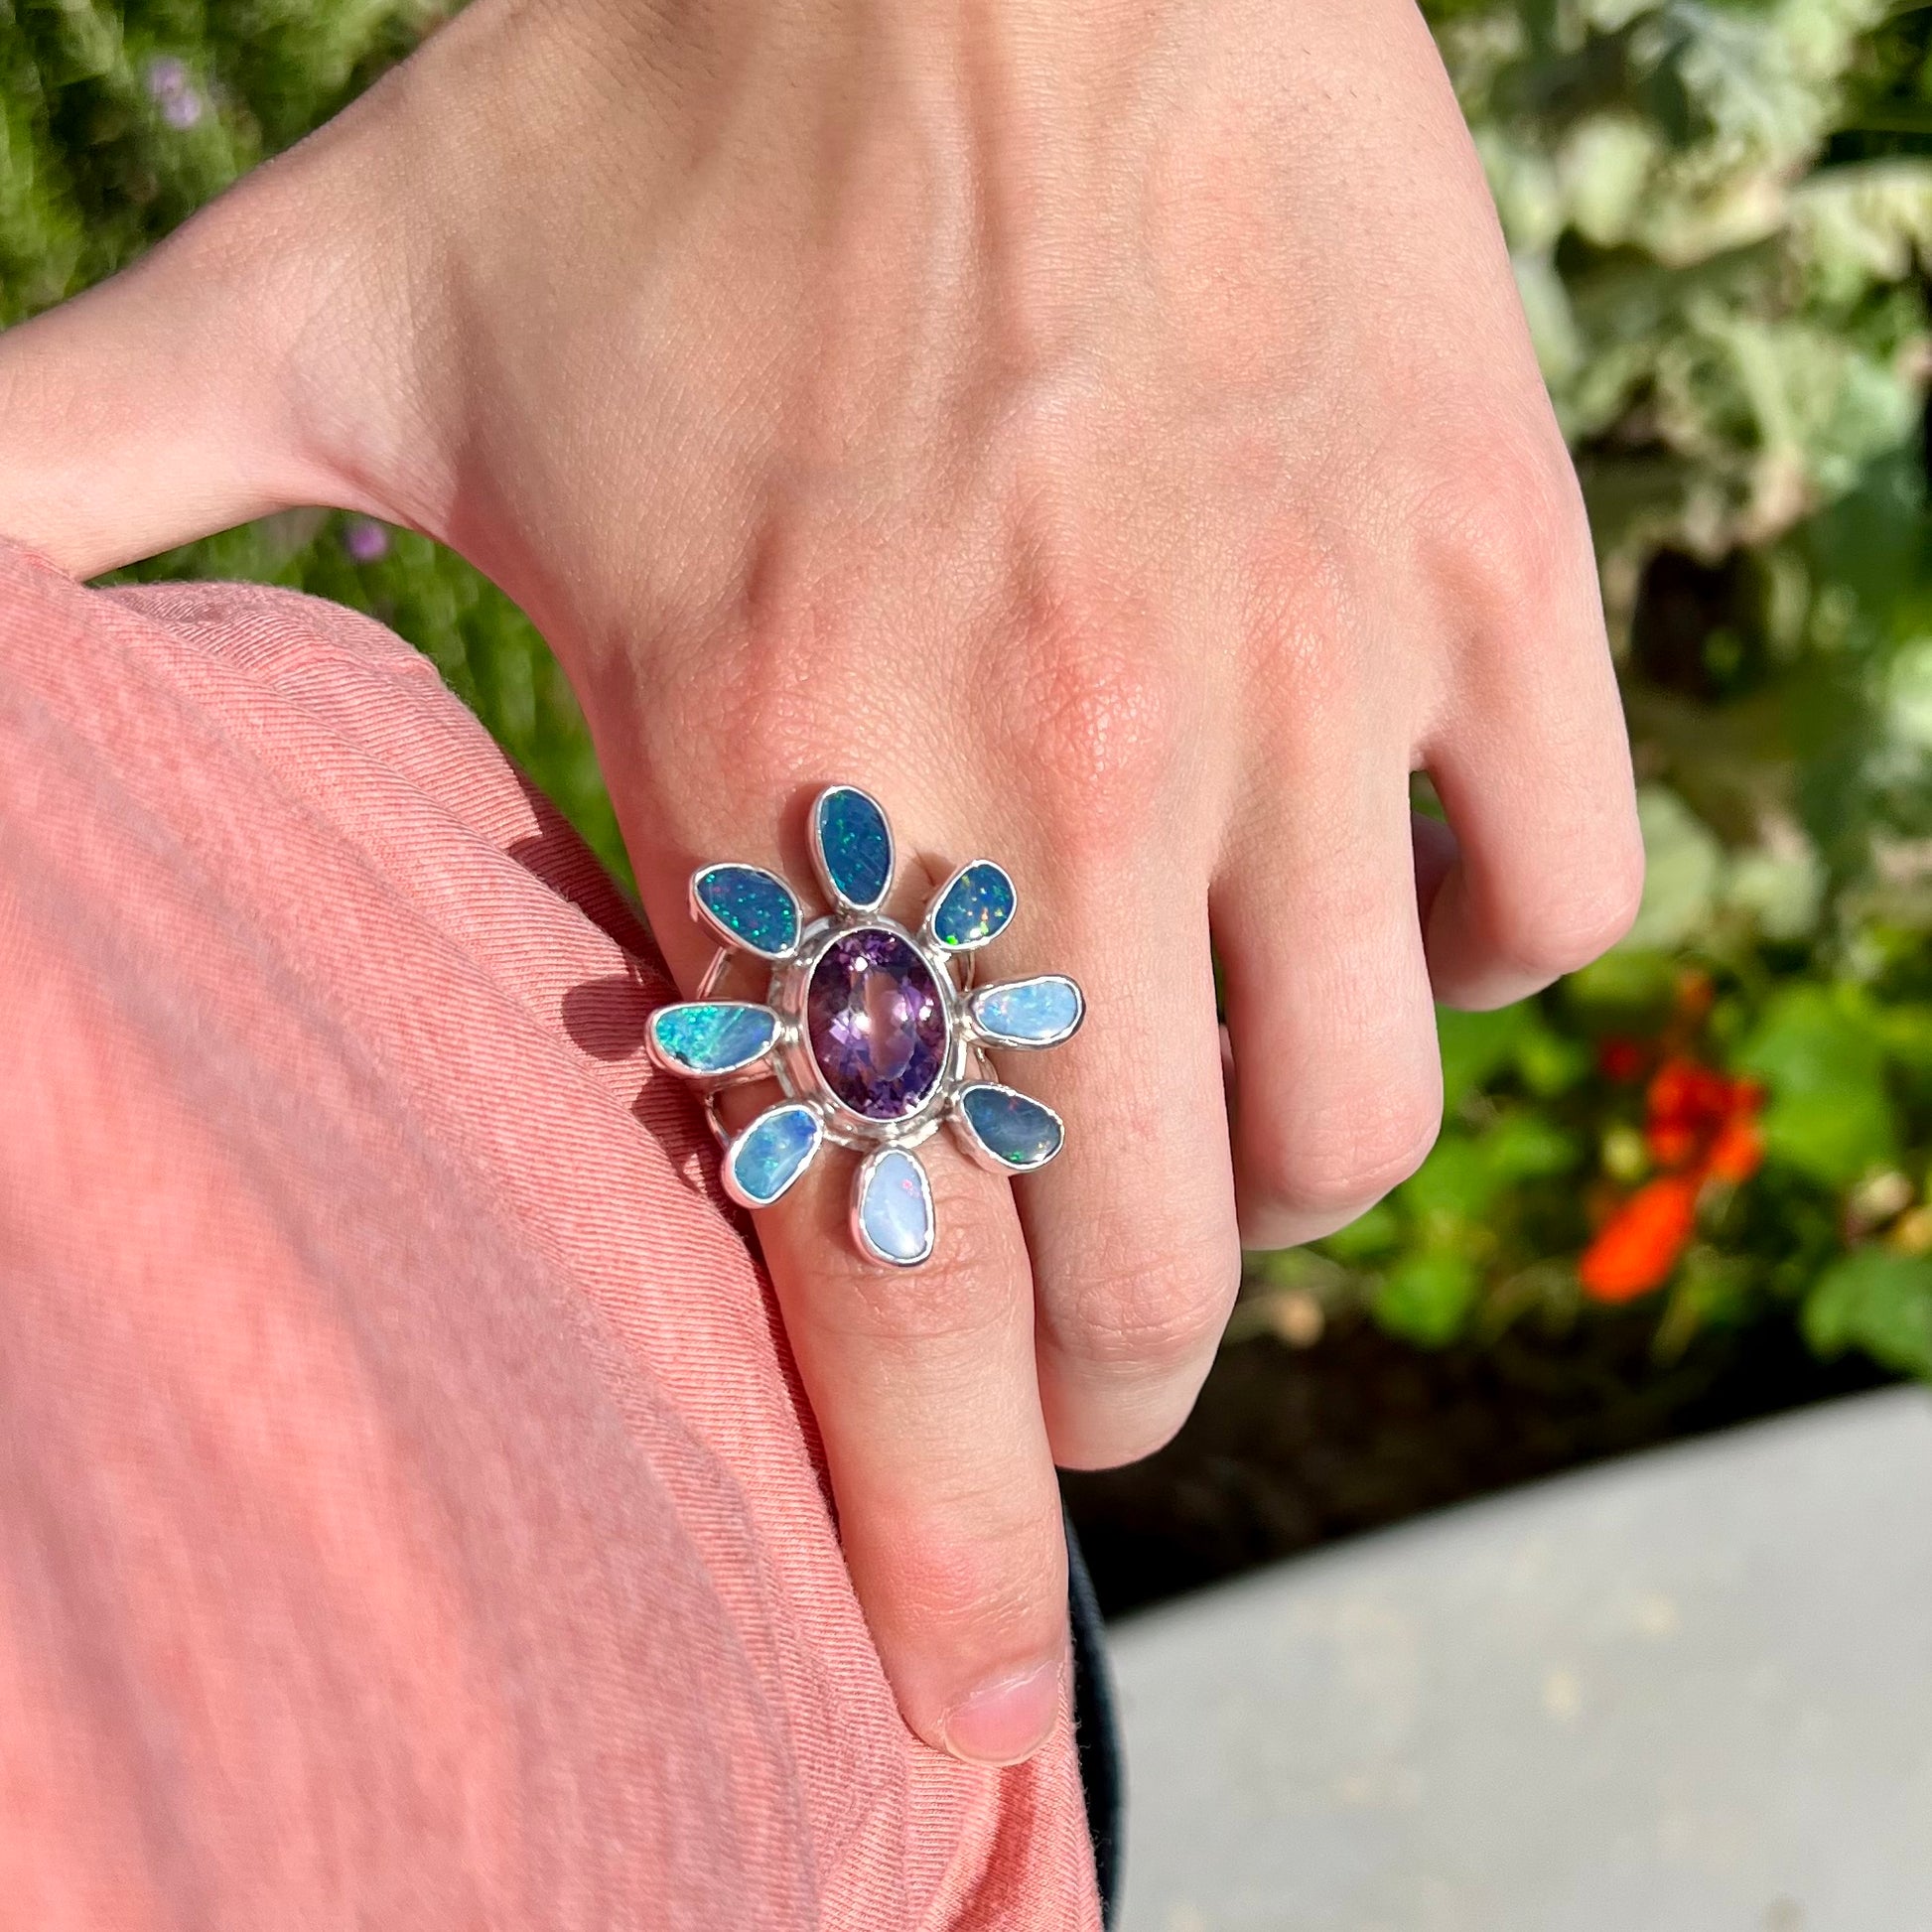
<point>407,1517</point>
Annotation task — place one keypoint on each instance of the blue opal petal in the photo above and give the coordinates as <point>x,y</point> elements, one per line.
<point>1029,1013</point>
<point>854,846</point>
<point>711,1037</point>
<point>770,1155</point>
<point>891,1210</point>
<point>747,907</point>
<point>974,908</point>
<point>1015,1131</point>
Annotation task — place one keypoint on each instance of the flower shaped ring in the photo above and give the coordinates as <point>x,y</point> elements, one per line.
<point>876,1035</point>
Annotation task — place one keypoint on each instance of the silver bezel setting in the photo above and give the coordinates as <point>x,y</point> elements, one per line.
<point>797,1066</point>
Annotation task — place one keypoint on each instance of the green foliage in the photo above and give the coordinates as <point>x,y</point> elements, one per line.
<point>1880,1302</point>
<point>1824,1061</point>
<point>1721,217</point>
<point>1719,214</point>
<point>117,122</point>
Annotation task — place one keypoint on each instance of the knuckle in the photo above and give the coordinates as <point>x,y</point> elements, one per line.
<point>1343,1163</point>
<point>1509,533</point>
<point>735,704</point>
<point>1581,919</point>
<point>1152,1314</point>
<point>919,1311</point>
<point>1092,705</point>
<point>993,1580</point>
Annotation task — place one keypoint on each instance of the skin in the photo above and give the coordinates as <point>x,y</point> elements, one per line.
<point>1107,431</point>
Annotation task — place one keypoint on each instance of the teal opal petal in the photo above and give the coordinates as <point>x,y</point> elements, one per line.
<point>770,1155</point>
<point>975,907</point>
<point>711,1037</point>
<point>748,907</point>
<point>1029,1013</point>
<point>854,846</point>
<point>1018,1132</point>
<point>893,1210</point>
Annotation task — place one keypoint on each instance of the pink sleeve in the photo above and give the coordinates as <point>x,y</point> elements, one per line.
<point>408,1516</point>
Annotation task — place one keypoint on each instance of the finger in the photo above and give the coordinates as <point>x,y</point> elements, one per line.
<point>1132,1230</point>
<point>922,1384</point>
<point>1338,1081</point>
<point>1432,851</point>
<point>1532,763</point>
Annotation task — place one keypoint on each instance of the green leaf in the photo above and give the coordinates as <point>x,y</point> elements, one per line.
<point>1452,1188</point>
<point>1907,1035</point>
<point>1629,992</point>
<point>1523,1145</point>
<point>1476,1047</point>
<point>1426,1297</point>
<point>1370,1234</point>
<point>1550,1062</point>
<point>1830,1115</point>
<point>1878,1302</point>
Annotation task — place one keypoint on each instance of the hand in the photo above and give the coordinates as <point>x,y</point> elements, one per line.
<point>1108,435</point>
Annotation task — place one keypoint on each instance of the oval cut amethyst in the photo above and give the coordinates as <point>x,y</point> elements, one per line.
<point>877,1023</point>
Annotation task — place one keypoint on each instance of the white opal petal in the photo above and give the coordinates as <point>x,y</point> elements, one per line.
<point>1039,1012</point>
<point>892,1208</point>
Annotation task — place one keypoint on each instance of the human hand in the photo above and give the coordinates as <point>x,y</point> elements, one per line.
<point>1110,437</point>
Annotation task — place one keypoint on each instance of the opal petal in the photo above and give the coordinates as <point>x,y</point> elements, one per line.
<point>747,906</point>
<point>709,1037</point>
<point>1039,1012</point>
<point>1009,1131</point>
<point>771,1153</point>
<point>975,906</point>
<point>892,1208</point>
<point>853,845</point>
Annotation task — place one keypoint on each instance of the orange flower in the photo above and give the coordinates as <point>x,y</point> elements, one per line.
<point>1637,1247</point>
<point>1687,1108</point>
<point>1738,1152</point>
<point>1700,1126</point>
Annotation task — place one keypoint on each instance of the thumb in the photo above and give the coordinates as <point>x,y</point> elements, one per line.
<point>213,381</point>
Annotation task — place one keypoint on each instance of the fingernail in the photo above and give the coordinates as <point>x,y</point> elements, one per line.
<point>1005,1720</point>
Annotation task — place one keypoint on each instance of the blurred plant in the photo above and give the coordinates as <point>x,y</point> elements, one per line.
<point>117,122</point>
<point>1720,216</point>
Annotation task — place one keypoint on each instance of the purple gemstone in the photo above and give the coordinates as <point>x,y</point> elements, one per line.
<point>877,1023</point>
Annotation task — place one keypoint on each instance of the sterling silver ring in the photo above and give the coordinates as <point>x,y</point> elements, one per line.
<point>874,1035</point>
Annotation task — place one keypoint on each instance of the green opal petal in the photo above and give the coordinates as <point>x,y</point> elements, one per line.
<point>747,907</point>
<point>709,1037</point>
<point>975,906</point>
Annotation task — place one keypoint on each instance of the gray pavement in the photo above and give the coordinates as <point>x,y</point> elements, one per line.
<point>1689,1691</point>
